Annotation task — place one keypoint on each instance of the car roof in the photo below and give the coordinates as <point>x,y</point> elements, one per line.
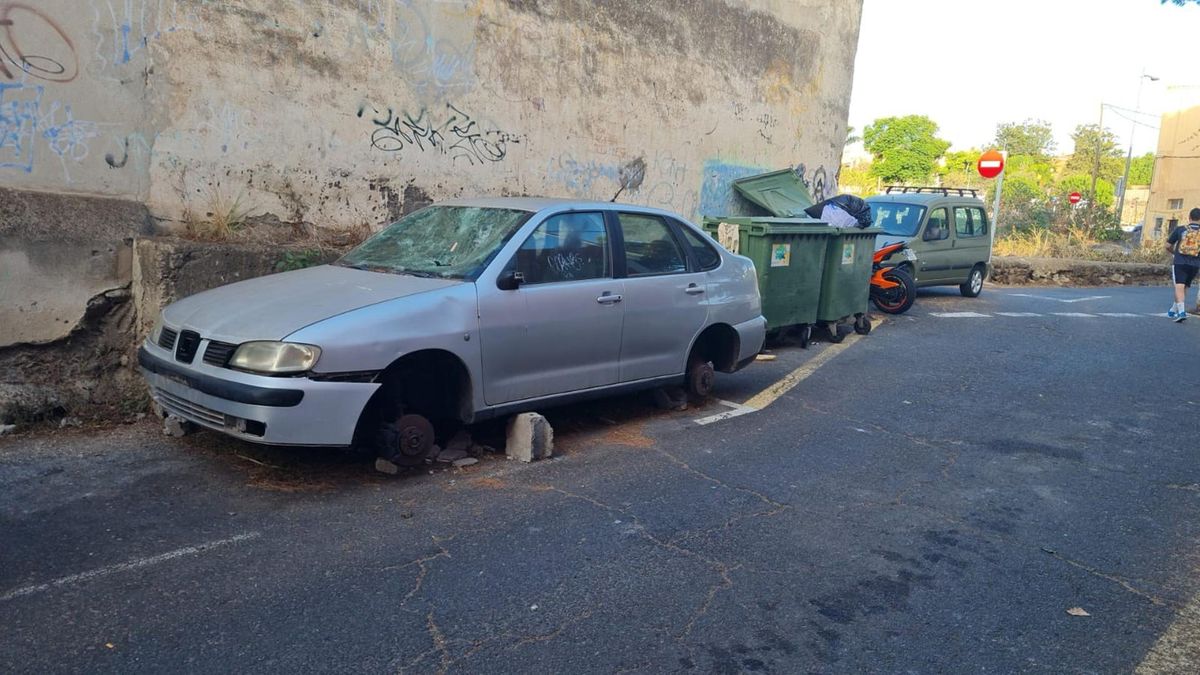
<point>537,204</point>
<point>922,198</point>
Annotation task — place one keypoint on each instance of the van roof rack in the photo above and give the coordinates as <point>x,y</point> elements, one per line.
<point>918,189</point>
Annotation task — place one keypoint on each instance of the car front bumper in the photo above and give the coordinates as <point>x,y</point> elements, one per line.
<point>256,408</point>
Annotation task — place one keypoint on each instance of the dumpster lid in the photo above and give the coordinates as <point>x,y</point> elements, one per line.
<point>779,192</point>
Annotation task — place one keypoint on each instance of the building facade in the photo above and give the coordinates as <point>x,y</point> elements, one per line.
<point>1175,187</point>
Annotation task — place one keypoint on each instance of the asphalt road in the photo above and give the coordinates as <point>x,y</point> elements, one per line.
<point>934,497</point>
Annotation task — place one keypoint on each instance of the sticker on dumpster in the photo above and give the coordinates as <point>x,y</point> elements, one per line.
<point>847,254</point>
<point>727,236</point>
<point>781,255</point>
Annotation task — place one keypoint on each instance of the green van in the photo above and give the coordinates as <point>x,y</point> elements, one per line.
<point>947,230</point>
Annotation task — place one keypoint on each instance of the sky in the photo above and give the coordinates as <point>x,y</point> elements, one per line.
<point>972,64</point>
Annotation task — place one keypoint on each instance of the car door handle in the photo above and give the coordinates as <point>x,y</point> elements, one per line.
<point>693,289</point>
<point>608,299</point>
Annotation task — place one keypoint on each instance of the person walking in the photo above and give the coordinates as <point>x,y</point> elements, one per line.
<point>1184,244</point>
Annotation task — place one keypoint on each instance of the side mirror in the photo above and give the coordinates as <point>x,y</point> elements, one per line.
<point>510,280</point>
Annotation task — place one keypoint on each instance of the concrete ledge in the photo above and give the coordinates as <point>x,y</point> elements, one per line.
<point>1013,271</point>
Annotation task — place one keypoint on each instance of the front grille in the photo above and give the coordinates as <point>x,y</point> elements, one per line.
<point>166,338</point>
<point>188,410</point>
<point>218,353</point>
<point>185,351</point>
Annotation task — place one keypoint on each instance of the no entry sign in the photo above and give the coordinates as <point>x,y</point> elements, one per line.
<point>990,164</point>
<point>1074,197</point>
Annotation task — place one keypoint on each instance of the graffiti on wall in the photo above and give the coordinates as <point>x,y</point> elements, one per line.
<point>33,44</point>
<point>431,62</point>
<point>27,122</point>
<point>451,132</point>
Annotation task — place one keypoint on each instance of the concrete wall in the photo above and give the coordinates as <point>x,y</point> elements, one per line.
<point>351,112</point>
<point>1175,188</point>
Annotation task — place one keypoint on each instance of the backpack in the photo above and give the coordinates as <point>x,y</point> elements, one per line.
<point>1189,242</point>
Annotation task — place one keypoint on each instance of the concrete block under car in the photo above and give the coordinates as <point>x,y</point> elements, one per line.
<point>530,437</point>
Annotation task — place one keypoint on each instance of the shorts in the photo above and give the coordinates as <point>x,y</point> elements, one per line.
<point>1184,274</point>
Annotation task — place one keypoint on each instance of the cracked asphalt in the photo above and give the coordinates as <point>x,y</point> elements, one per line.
<point>933,499</point>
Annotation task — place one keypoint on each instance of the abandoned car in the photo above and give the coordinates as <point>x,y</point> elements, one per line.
<point>460,312</point>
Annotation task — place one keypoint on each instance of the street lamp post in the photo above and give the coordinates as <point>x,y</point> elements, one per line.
<point>1129,157</point>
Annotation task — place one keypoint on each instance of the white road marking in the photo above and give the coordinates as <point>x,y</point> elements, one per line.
<point>1017,314</point>
<point>737,410</point>
<point>1067,300</point>
<point>961,315</point>
<point>127,566</point>
<point>1117,314</point>
<point>1075,314</point>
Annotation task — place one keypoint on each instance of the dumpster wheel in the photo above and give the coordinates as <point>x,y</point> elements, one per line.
<point>806,333</point>
<point>835,335</point>
<point>862,324</point>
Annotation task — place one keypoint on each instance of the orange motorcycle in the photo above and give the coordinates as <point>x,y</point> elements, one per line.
<point>893,289</point>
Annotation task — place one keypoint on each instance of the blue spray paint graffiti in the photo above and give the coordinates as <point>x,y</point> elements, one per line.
<point>717,196</point>
<point>18,125</point>
<point>23,122</point>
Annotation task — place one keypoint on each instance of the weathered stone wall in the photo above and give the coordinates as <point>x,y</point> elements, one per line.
<point>1016,271</point>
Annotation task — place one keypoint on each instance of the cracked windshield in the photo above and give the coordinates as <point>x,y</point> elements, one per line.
<point>452,242</point>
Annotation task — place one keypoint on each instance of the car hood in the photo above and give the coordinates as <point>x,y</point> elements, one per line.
<point>274,306</point>
<point>885,239</point>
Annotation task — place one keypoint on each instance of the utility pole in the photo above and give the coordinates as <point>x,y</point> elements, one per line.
<point>1096,163</point>
<point>999,190</point>
<point>1129,157</point>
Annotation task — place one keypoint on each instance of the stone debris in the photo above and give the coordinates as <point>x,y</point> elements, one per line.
<point>177,427</point>
<point>451,455</point>
<point>671,398</point>
<point>530,437</point>
<point>465,461</point>
<point>384,466</point>
<point>69,422</point>
<point>6,429</point>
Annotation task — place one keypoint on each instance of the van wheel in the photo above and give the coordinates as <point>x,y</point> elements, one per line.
<point>974,285</point>
<point>700,378</point>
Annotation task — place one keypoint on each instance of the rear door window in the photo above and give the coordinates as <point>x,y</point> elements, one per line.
<point>650,248</point>
<point>979,219</point>
<point>969,222</point>
<point>706,256</point>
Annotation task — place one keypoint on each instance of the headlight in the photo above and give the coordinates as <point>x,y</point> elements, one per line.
<point>275,357</point>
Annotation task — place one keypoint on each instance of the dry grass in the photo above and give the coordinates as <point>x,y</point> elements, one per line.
<point>1074,244</point>
<point>222,218</point>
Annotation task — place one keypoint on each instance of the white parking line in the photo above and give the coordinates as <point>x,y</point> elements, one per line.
<point>961,315</point>
<point>1118,314</point>
<point>1081,315</point>
<point>126,566</point>
<point>1017,314</point>
<point>737,410</point>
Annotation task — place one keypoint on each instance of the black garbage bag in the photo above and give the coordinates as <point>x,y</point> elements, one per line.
<point>854,206</point>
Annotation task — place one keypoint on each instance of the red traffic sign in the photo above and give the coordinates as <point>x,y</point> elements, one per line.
<point>1074,197</point>
<point>990,164</point>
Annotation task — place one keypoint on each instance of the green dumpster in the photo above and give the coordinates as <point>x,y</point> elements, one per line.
<point>846,281</point>
<point>789,255</point>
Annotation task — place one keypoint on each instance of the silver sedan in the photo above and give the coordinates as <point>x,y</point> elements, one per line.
<point>459,312</point>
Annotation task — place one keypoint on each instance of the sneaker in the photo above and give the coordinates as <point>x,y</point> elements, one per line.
<point>1181,316</point>
<point>1171,313</point>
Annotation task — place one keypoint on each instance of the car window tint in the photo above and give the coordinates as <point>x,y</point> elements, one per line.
<point>962,222</point>
<point>566,247</point>
<point>649,246</point>
<point>980,221</point>
<point>938,226</point>
<point>706,256</point>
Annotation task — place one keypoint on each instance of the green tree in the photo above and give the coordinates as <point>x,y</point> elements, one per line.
<point>1031,137</point>
<point>1142,169</point>
<point>1088,139</point>
<point>906,149</point>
